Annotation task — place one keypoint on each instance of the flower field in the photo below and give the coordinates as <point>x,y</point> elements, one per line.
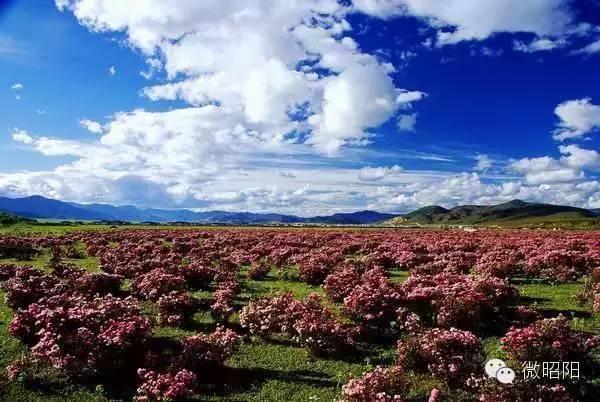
<point>297,314</point>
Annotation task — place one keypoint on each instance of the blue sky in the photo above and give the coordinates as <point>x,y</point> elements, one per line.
<point>304,107</point>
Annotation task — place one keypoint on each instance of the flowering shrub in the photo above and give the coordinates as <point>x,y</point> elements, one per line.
<point>200,351</point>
<point>448,354</point>
<point>558,265</point>
<point>176,309</point>
<point>318,330</point>
<point>157,283</point>
<point>269,316</point>
<point>340,283</point>
<point>489,389</point>
<point>456,300</point>
<point>259,270</point>
<point>157,387</point>
<point>381,385</point>
<point>98,284</point>
<point>27,286</point>
<point>198,274</point>
<point>502,263</point>
<point>548,340</point>
<point>82,336</point>
<point>374,301</point>
<point>315,268</point>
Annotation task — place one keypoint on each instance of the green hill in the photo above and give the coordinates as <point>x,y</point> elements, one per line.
<point>511,213</point>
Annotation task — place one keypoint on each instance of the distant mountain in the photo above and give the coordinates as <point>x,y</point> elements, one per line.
<point>38,207</point>
<point>477,214</point>
<point>353,218</point>
<point>595,211</point>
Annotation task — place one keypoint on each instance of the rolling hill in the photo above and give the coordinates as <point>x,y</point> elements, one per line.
<point>512,211</point>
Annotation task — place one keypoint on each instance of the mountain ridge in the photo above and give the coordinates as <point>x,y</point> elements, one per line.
<point>38,207</point>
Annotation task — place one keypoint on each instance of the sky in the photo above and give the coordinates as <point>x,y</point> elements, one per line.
<point>301,106</point>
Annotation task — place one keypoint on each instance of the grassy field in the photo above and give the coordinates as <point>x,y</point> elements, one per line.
<point>267,370</point>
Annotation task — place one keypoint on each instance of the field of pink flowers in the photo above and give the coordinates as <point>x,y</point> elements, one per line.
<point>400,315</point>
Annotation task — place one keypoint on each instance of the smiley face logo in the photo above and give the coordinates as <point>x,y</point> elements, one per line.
<point>492,366</point>
<point>505,375</point>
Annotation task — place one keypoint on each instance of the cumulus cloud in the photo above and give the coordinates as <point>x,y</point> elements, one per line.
<point>21,136</point>
<point>17,86</point>
<point>484,162</point>
<point>578,117</point>
<point>460,20</point>
<point>92,126</point>
<point>378,173</point>
<point>590,48</point>
<point>112,71</point>
<point>539,45</point>
<point>264,63</point>
<point>544,170</point>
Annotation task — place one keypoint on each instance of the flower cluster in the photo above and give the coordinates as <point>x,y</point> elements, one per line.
<point>176,308</point>
<point>157,283</point>
<point>450,355</point>
<point>259,270</point>
<point>457,300</point>
<point>306,321</point>
<point>340,283</point>
<point>200,351</point>
<point>374,301</point>
<point>82,336</point>
<point>381,385</point>
<point>550,339</point>
<point>167,387</point>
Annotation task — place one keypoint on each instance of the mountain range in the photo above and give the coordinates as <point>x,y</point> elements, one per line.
<point>38,207</point>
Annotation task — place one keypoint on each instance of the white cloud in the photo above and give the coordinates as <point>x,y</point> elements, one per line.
<point>407,122</point>
<point>92,126</point>
<point>17,86</point>
<point>460,20</point>
<point>539,45</point>
<point>578,117</point>
<point>378,173</point>
<point>591,48</point>
<point>580,158</point>
<point>546,170</point>
<point>112,71</point>
<point>21,136</point>
<point>484,162</point>
<point>261,61</point>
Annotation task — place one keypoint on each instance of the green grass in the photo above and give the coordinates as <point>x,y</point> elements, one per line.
<point>277,369</point>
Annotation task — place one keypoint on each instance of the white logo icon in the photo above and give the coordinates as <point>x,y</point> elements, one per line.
<point>505,375</point>
<point>492,366</point>
<point>496,368</point>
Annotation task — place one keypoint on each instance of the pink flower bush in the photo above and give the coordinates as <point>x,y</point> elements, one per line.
<point>548,340</point>
<point>315,267</point>
<point>490,390</point>
<point>81,336</point>
<point>259,270</point>
<point>157,283</point>
<point>176,309</point>
<point>380,385</point>
<point>374,301</point>
<point>448,354</point>
<point>267,316</point>
<point>340,283</point>
<point>318,330</point>
<point>456,300</point>
<point>200,351</point>
<point>167,387</point>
